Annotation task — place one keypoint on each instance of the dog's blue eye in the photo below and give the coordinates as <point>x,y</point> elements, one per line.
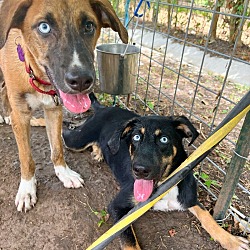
<point>164,139</point>
<point>136,137</point>
<point>44,28</point>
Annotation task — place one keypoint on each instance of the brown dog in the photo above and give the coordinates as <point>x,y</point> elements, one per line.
<point>47,53</point>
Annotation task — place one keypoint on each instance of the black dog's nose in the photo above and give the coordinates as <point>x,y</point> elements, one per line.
<point>79,81</point>
<point>141,171</point>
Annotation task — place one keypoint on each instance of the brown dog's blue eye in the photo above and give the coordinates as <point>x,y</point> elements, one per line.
<point>164,139</point>
<point>136,137</point>
<point>44,28</point>
<point>89,27</point>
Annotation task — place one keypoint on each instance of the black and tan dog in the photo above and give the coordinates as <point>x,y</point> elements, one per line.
<point>47,54</point>
<point>141,151</point>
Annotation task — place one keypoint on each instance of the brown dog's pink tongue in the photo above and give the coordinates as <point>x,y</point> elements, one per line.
<point>77,103</point>
<point>143,189</point>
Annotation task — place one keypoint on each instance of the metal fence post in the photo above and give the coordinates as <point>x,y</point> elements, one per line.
<point>234,171</point>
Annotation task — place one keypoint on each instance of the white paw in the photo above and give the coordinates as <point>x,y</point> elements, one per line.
<point>7,120</point>
<point>26,195</point>
<point>68,177</point>
<point>2,120</point>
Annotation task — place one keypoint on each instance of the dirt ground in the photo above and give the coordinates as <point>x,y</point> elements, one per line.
<point>66,218</point>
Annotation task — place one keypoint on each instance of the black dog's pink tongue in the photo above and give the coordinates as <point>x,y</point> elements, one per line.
<point>76,103</point>
<point>143,189</point>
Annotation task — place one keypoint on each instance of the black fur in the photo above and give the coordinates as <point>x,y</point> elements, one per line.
<point>116,131</point>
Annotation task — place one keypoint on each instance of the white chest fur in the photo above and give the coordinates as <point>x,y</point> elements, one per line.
<point>37,100</point>
<point>169,202</point>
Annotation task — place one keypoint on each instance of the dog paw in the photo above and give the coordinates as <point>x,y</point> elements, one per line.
<point>5,120</point>
<point>237,243</point>
<point>26,195</point>
<point>97,153</point>
<point>243,243</point>
<point>68,177</point>
<point>97,157</point>
<point>2,120</point>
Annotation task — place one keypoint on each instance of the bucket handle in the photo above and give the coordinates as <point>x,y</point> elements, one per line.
<point>137,21</point>
<point>138,7</point>
<point>133,32</point>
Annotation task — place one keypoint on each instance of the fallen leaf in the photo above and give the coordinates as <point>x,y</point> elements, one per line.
<point>172,232</point>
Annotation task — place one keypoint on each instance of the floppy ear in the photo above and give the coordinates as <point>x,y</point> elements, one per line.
<point>12,14</point>
<point>108,18</point>
<point>121,132</point>
<point>185,128</point>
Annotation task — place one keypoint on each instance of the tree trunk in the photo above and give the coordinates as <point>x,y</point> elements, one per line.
<point>234,24</point>
<point>215,19</point>
<point>214,26</point>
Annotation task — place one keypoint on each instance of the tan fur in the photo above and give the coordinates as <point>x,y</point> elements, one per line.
<point>174,151</point>
<point>37,122</point>
<point>34,122</point>
<point>185,128</point>
<point>20,97</point>
<point>226,240</point>
<point>126,130</point>
<point>97,153</point>
<point>143,130</point>
<point>165,174</point>
<point>136,247</point>
<point>157,132</point>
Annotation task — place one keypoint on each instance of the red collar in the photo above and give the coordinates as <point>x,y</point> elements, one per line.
<point>40,81</point>
<point>32,76</point>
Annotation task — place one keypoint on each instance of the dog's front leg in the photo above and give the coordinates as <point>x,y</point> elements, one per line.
<point>119,207</point>
<point>26,195</point>
<point>226,240</point>
<point>53,118</point>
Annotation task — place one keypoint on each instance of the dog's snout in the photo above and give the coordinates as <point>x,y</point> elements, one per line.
<point>79,81</point>
<point>141,171</point>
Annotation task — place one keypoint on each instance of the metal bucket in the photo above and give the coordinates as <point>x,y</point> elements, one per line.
<point>117,71</point>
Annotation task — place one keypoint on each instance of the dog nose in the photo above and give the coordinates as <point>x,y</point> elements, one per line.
<point>141,171</point>
<point>78,81</point>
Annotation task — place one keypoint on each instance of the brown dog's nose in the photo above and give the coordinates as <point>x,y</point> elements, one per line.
<point>78,81</point>
<point>141,172</point>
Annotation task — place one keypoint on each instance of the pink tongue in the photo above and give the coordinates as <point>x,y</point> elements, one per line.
<point>143,189</point>
<point>77,103</point>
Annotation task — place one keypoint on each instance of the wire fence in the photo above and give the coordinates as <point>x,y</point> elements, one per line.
<point>195,61</point>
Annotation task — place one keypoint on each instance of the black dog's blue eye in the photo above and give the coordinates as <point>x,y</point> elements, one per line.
<point>164,139</point>
<point>136,137</point>
<point>44,28</point>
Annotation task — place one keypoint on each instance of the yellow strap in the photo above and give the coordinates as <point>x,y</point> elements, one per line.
<point>203,148</point>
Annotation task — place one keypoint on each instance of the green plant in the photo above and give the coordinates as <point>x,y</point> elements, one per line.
<point>225,225</point>
<point>150,104</point>
<point>207,180</point>
<point>102,215</point>
<point>105,99</point>
<point>224,111</point>
<point>226,158</point>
